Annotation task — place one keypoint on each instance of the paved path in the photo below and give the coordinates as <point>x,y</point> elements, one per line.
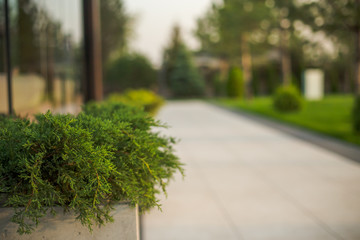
<point>247,181</point>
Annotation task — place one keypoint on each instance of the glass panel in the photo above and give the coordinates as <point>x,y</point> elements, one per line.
<point>47,55</point>
<point>3,80</point>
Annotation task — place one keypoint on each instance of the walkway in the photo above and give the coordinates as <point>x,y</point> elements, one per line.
<point>247,181</point>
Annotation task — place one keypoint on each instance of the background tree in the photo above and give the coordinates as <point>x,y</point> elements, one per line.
<point>181,76</point>
<point>282,13</point>
<point>227,30</point>
<point>115,28</point>
<point>207,31</point>
<point>276,35</point>
<point>237,21</point>
<point>340,20</point>
<point>130,71</point>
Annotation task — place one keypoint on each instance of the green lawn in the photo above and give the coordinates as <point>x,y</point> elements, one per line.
<point>331,116</point>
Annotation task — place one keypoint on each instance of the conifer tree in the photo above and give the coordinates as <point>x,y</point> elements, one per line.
<point>181,76</point>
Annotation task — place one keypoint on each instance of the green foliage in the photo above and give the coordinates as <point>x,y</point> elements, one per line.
<point>83,163</point>
<point>287,99</point>
<point>222,28</point>
<point>129,71</point>
<point>115,31</point>
<point>265,79</point>
<point>142,98</point>
<point>356,115</point>
<point>340,21</point>
<point>337,15</point>
<point>207,30</point>
<point>219,86</point>
<point>237,18</point>
<point>235,83</point>
<point>182,77</point>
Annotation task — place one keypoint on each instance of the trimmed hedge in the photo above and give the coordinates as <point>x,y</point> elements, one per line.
<point>142,98</point>
<point>287,99</point>
<point>235,83</point>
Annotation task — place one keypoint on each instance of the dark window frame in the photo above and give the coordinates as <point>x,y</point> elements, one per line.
<point>8,67</point>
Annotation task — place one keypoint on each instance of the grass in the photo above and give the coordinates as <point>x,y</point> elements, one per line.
<point>330,116</point>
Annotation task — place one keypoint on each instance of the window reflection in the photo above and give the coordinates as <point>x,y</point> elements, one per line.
<point>47,54</point>
<point>3,81</point>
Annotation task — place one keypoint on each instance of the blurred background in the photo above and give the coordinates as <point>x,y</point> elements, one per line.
<point>295,61</point>
<point>244,53</point>
<point>272,43</point>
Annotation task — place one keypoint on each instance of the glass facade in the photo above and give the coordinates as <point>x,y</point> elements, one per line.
<point>47,54</point>
<point>3,81</point>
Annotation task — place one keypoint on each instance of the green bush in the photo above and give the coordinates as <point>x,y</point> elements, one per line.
<point>84,163</point>
<point>287,99</point>
<point>142,98</point>
<point>132,71</point>
<point>356,115</point>
<point>235,83</point>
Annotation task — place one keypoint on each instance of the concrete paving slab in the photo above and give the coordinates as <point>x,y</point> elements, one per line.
<point>246,180</point>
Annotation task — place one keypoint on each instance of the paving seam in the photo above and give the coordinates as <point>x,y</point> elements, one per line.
<point>219,203</point>
<point>267,180</point>
<point>342,148</point>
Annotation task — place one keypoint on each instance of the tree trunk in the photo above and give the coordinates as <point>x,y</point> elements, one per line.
<point>246,65</point>
<point>285,58</point>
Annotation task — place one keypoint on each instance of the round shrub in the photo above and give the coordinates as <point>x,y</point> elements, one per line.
<point>142,98</point>
<point>235,83</point>
<point>356,115</point>
<point>287,99</point>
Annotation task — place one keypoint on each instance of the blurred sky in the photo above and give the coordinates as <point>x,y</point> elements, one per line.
<point>155,19</point>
